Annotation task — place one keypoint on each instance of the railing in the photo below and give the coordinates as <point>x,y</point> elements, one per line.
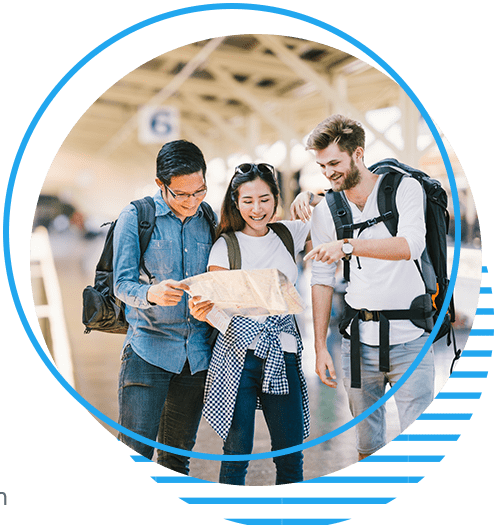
<point>48,303</point>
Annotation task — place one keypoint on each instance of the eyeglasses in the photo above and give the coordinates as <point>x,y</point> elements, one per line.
<point>262,168</point>
<point>182,196</point>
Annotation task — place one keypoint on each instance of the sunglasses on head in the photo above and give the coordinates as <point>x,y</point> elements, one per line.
<point>262,168</point>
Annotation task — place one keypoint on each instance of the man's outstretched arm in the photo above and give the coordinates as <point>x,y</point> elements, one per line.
<point>395,248</point>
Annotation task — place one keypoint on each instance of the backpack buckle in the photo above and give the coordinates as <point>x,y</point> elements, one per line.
<point>369,315</point>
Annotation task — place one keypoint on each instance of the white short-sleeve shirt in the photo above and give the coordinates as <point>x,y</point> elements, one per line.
<point>262,252</point>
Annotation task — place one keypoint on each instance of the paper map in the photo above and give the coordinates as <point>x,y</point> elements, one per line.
<point>245,293</point>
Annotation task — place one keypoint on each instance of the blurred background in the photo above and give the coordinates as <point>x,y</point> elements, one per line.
<point>239,98</point>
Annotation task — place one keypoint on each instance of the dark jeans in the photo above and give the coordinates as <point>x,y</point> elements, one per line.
<point>283,415</point>
<point>144,390</point>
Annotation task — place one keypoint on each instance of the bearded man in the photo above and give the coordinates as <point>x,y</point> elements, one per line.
<point>383,277</point>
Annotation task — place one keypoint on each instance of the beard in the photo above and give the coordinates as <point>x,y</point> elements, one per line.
<point>351,178</point>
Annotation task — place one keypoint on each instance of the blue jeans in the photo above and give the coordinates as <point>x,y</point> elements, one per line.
<point>283,415</point>
<point>144,390</point>
<point>414,396</point>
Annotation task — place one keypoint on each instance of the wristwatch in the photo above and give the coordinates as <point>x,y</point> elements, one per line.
<point>347,248</point>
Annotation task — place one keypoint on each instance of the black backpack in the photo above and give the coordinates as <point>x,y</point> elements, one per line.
<point>433,263</point>
<point>102,310</point>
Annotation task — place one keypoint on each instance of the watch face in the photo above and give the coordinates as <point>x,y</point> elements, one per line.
<point>347,248</point>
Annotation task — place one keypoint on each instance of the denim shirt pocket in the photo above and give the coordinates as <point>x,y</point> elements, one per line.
<point>163,259</point>
<point>202,257</point>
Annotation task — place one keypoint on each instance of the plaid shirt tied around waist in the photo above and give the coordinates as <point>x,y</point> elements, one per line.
<point>227,363</point>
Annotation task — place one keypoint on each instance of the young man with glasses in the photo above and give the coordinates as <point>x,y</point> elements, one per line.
<point>165,353</point>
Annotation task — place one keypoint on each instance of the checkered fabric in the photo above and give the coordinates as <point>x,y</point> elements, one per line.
<point>227,363</point>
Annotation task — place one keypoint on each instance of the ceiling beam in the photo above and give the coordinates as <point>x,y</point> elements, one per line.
<point>305,71</point>
<point>284,129</point>
<point>335,94</point>
<point>130,126</point>
<point>226,130</point>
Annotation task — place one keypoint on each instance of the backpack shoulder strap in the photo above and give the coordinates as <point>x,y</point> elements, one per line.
<point>105,261</point>
<point>234,258</point>
<point>341,214</point>
<point>285,236</point>
<point>386,200</point>
<point>343,221</point>
<point>211,218</point>
<point>146,218</point>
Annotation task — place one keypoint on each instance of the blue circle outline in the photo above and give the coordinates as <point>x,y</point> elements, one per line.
<point>165,16</point>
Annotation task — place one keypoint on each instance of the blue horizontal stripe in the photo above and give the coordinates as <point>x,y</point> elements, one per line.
<point>458,395</point>
<point>482,332</point>
<point>427,437</point>
<point>179,480</point>
<point>485,290</point>
<point>476,353</point>
<point>289,500</point>
<point>139,458</point>
<point>287,521</point>
<point>469,375</point>
<point>444,417</point>
<point>485,311</point>
<point>363,480</point>
<point>396,458</point>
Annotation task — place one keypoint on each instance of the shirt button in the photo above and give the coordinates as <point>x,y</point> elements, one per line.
<point>186,250</point>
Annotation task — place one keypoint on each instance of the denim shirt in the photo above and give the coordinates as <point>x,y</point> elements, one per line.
<point>164,336</point>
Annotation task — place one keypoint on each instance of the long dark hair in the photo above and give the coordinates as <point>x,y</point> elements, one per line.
<point>230,218</point>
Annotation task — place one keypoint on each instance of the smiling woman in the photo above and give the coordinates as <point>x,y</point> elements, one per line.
<point>256,206</point>
<point>257,362</point>
<point>256,202</point>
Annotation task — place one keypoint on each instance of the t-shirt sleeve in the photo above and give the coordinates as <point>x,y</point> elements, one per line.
<point>299,231</point>
<point>219,254</point>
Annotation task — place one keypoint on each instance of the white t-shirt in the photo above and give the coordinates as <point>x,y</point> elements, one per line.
<point>379,284</point>
<point>262,252</point>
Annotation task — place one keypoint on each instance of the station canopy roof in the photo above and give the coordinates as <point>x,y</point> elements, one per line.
<point>233,93</point>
